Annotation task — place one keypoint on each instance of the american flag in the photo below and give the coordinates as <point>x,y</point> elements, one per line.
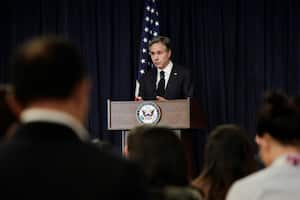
<point>150,29</point>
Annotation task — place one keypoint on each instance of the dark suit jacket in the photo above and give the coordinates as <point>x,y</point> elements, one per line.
<point>179,85</point>
<point>48,161</point>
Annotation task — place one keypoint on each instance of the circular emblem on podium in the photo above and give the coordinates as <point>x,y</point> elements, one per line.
<point>148,113</point>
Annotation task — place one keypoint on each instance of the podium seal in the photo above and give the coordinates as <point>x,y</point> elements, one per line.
<point>148,113</point>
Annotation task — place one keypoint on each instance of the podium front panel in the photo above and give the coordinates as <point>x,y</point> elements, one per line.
<point>122,115</point>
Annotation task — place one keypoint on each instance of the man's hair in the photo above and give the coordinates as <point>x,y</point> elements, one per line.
<point>45,67</point>
<point>160,153</point>
<point>161,39</point>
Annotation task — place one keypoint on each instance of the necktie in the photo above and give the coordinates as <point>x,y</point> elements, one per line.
<point>161,85</point>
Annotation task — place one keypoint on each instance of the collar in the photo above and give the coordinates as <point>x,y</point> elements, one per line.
<point>55,116</point>
<point>167,69</point>
<point>292,159</point>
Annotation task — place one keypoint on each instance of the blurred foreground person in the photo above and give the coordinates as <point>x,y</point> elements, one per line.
<point>278,138</point>
<point>160,153</point>
<point>50,155</point>
<point>228,157</point>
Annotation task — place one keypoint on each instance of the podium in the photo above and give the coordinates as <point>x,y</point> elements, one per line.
<point>181,114</point>
<point>176,114</point>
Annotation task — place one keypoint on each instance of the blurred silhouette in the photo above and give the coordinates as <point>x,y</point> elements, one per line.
<point>160,153</point>
<point>228,157</point>
<point>51,155</point>
<point>278,140</point>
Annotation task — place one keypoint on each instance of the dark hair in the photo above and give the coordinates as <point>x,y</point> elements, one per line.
<point>45,67</point>
<point>296,101</point>
<point>161,155</point>
<point>161,39</point>
<point>7,117</point>
<point>228,157</point>
<point>279,117</point>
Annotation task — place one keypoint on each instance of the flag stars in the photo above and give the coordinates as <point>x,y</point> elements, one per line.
<point>150,29</point>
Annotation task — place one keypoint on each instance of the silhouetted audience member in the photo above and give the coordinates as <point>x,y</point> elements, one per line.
<point>50,155</point>
<point>159,151</point>
<point>228,157</point>
<point>278,138</point>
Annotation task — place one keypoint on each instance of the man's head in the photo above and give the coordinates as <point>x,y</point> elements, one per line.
<point>160,51</point>
<point>160,153</point>
<point>49,69</point>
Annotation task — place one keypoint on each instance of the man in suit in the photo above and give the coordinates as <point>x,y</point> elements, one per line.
<point>50,155</point>
<point>166,80</point>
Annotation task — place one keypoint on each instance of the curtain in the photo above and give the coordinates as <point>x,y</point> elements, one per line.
<point>236,49</point>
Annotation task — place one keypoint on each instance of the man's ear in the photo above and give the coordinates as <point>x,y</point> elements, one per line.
<point>169,53</point>
<point>80,99</point>
<point>82,90</point>
<point>14,105</point>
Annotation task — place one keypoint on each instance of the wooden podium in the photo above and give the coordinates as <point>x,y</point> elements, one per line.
<point>176,114</point>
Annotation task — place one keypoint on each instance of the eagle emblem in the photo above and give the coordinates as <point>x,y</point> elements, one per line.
<point>148,113</point>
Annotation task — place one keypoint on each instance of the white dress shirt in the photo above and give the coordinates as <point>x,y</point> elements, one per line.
<point>54,116</point>
<point>167,71</point>
<point>280,181</point>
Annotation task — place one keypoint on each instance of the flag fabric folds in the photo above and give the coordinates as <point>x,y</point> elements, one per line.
<point>150,29</point>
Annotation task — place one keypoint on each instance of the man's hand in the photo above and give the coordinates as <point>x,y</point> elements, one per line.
<point>159,98</point>
<point>138,98</point>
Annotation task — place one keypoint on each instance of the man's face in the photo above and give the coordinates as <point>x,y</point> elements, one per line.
<point>160,55</point>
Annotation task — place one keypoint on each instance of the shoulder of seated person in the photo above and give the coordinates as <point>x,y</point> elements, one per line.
<point>182,193</point>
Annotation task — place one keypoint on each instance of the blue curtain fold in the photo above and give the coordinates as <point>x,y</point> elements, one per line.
<point>237,49</point>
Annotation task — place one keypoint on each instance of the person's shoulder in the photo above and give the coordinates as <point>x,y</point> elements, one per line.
<point>153,70</point>
<point>150,73</point>
<point>249,186</point>
<point>181,193</point>
<point>181,68</point>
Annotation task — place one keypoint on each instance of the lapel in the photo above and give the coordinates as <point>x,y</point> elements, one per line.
<point>153,79</point>
<point>172,80</point>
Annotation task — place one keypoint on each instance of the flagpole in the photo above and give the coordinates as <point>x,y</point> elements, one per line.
<point>150,29</point>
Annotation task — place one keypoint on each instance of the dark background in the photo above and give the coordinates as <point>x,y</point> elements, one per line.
<point>236,49</point>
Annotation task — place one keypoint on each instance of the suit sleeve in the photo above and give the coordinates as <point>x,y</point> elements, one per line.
<point>141,88</point>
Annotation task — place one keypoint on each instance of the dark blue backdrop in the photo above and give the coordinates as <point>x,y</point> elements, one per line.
<point>236,49</point>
